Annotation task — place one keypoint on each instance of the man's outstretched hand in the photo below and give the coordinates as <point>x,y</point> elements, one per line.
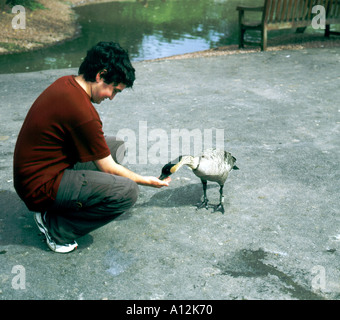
<point>156,183</point>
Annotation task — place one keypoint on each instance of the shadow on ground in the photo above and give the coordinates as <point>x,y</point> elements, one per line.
<point>183,196</point>
<point>17,226</point>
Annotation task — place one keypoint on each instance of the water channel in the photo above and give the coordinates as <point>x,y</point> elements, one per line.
<point>159,29</point>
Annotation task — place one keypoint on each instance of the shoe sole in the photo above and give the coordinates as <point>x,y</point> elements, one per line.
<point>50,243</point>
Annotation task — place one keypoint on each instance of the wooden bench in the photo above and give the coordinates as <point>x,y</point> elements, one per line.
<point>286,14</point>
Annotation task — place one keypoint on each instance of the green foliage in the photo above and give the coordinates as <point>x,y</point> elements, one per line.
<point>28,4</point>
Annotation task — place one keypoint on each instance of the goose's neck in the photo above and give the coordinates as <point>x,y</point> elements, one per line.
<point>190,161</point>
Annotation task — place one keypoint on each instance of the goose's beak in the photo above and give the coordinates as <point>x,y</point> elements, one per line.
<point>172,170</point>
<point>163,176</point>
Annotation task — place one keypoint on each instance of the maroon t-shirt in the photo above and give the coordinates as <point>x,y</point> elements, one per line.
<point>61,128</point>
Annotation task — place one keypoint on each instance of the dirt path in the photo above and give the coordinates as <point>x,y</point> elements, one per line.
<point>44,27</point>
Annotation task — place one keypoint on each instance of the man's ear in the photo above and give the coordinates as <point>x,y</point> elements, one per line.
<point>100,75</point>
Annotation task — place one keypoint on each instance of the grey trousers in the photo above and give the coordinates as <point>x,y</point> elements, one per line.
<point>87,199</point>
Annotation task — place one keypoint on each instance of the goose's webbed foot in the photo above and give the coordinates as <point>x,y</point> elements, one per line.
<point>203,204</point>
<point>219,207</point>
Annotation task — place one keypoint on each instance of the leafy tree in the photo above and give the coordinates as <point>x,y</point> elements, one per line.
<point>28,4</point>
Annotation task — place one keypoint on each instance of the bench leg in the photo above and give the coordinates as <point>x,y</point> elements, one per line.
<point>264,38</point>
<point>240,29</point>
<point>301,30</point>
<point>241,38</point>
<point>327,31</point>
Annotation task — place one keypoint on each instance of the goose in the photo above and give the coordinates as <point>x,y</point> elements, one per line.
<point>212,165</point>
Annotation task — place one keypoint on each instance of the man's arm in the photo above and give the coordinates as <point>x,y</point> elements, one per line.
<point>108,165</point>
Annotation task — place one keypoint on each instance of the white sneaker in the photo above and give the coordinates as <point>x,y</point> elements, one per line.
<point>60,248</point>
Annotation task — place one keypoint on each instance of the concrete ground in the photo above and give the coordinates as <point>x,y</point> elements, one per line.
<point>280,235</point>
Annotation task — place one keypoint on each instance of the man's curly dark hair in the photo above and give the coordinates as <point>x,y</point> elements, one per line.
<point>111,59</point>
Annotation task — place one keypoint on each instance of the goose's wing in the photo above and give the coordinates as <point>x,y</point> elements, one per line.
<point>212,166</point>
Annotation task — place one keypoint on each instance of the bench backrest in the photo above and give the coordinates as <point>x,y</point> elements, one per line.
<point>333,11</point>
<point>297,13</point>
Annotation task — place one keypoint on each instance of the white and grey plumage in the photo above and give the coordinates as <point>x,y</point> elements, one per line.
<point>211,165</point>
